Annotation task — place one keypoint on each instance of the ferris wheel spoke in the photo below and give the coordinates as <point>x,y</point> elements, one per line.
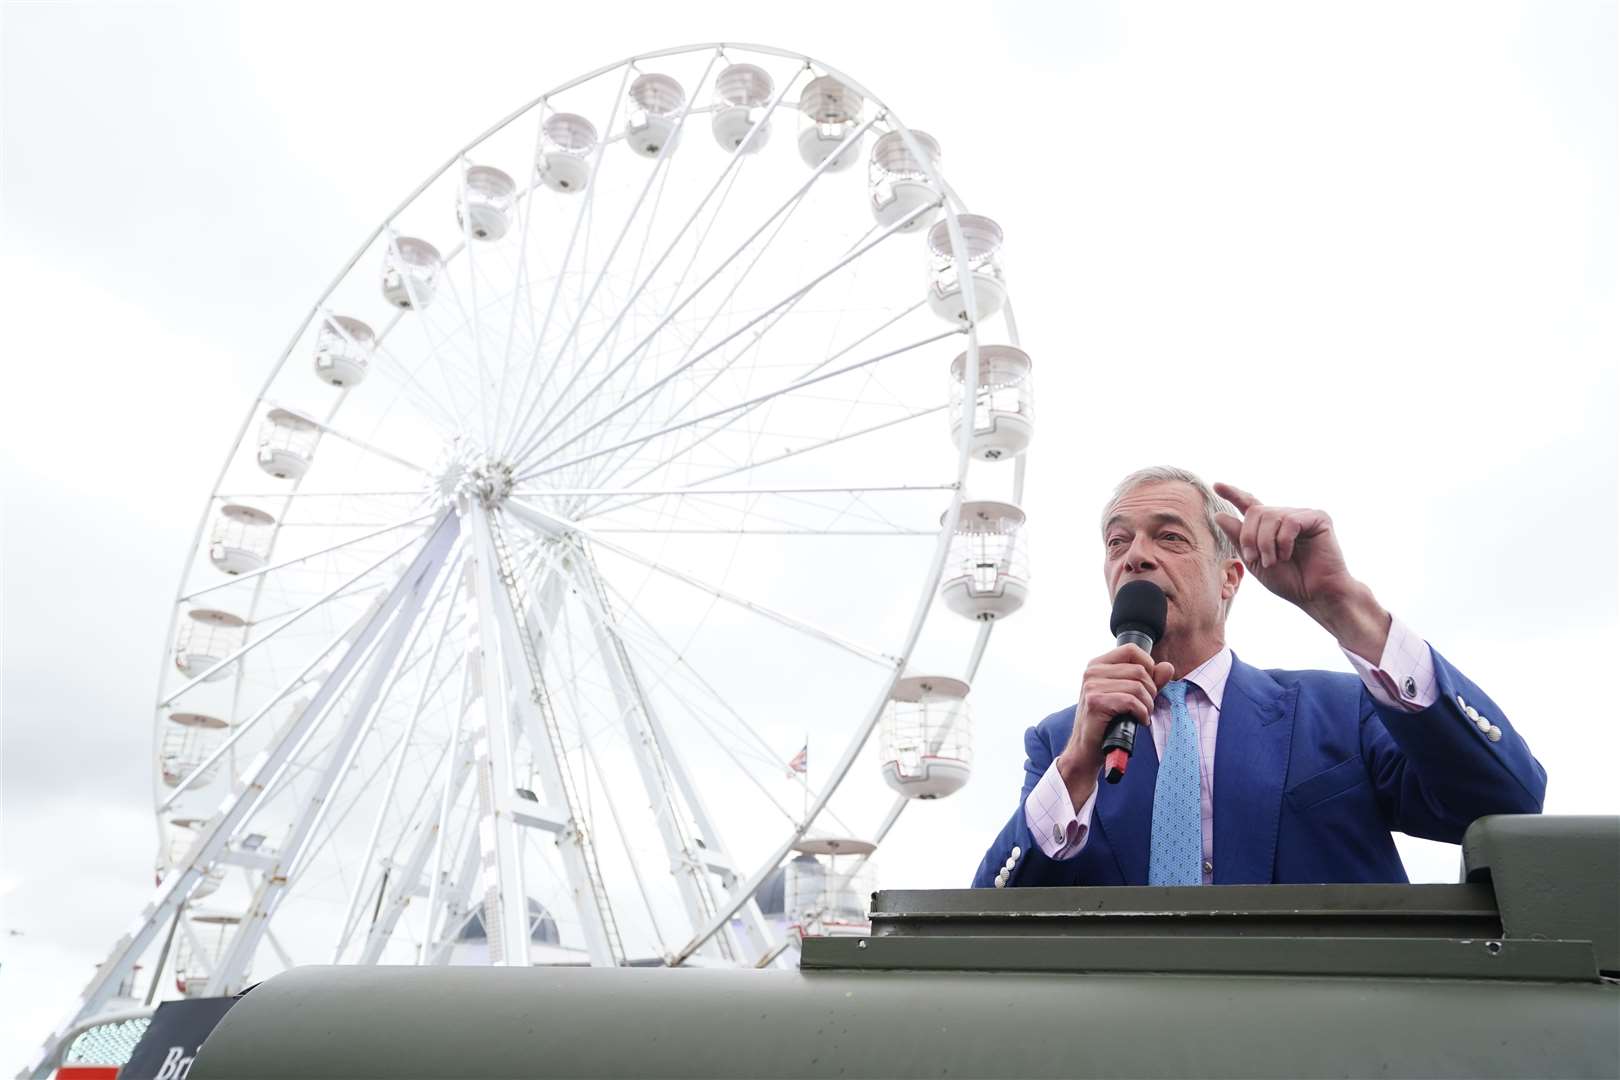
<point>295,617</point>
<point>768,756</point>
<point>720,309</point>
<point>327,428</point>
<point>549,524</point>
<point>472,318</point>
<point>612,467</point>
<point>712,520</point>
<point>593,512</point>
<point>614,464</point>
<point>435,357</point>
<point>749,404</point>
<point>519,417</point>
<point>523,283</point>
<point>749,325</point>
<point>529,447</point>
<point>659,166</point>
<point>252,574</point>
<point>723,183</point>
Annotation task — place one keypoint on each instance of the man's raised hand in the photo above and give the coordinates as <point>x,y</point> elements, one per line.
<point>1295,553</point>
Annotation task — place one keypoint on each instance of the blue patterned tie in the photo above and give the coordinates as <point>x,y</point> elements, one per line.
<point>1178,841</point>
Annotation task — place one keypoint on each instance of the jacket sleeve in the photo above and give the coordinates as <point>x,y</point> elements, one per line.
<point>1030,865</point>
<point>1437,770</point>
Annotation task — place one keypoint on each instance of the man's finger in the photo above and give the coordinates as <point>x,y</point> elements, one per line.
<point>1249,541</point>
<point>1163,672</point>
<point>1237,497</point>
<point>1231,526</point>
<point>1286,535</point>
<point>1265,537</point>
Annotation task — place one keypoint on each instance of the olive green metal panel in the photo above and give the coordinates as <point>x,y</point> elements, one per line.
<point>508,1022</point>
<point>1553,877</point>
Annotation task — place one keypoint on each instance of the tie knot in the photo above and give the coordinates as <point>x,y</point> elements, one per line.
<point>1176,692</point>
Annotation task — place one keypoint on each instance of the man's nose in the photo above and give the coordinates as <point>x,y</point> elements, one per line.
<point>1139,559</point>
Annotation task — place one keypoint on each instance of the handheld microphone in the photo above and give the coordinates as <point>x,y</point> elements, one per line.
<point>1138,619</point>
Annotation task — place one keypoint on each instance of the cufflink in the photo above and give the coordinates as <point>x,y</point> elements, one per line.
<point>1057,833</point>
<point>1409,687</point>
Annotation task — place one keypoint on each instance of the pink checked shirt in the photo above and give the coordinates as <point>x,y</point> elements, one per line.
<point>1403,679</point>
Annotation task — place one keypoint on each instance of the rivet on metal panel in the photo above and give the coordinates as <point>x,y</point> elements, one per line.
<point>1493,947</point>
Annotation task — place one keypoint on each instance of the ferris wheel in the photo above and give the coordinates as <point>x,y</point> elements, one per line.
<point>660,450</point>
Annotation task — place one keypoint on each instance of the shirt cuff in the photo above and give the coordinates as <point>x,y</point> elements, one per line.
<point>1056,825</point>
<point>1404,678</point>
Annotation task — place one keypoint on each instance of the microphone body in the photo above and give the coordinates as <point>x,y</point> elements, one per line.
<point>1138,619</point>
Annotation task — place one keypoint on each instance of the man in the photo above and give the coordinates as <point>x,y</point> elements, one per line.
<point>1266,776</point>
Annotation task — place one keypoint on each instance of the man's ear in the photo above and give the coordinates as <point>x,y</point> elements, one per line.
<point>1231,578</point>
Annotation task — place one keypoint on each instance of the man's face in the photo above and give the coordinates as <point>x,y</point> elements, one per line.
<point>1157,533</point>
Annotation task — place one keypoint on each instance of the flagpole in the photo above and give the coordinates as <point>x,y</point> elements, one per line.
<point>805,816</point>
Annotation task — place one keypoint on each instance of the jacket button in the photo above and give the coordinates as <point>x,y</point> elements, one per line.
<point>1018,852</point>
<point>1494,734</point>
<point>1483,724</point>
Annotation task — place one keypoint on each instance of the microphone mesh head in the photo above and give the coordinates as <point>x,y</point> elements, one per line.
<point>1139,606</point>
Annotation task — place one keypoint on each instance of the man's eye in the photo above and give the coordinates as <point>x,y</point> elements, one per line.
<point>1175,537</point>
<point>1112,540</point>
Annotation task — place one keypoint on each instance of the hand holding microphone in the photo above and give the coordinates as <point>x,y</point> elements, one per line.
<point>1117,692</point>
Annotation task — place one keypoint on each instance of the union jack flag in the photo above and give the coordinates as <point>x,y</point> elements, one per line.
<point>800,762</point>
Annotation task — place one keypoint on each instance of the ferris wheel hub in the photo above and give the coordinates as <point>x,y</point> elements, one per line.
<point>469,473</point>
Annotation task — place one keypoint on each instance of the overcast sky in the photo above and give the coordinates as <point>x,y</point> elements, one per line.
<point>1353,255</point>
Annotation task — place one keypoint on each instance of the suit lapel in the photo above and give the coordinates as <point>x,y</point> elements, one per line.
<point>1251,764</point>
<point>1125,810</point>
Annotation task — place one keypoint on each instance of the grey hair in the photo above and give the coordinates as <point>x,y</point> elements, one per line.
<point>1213,503</point>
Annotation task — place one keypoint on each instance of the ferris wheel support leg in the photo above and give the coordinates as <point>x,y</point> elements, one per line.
<point>505,899</point>
<point>178,884</point>
<point>685,857</point>
<point>574,842</point>
<point>457,909</point>
<point>408,882</point>
<point>409,879</point>
<point>234,965</point>
<point>660,765</point>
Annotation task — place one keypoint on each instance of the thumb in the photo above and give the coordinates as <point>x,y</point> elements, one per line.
<point>1163,672</point>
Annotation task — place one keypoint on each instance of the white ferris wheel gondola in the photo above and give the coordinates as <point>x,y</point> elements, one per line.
<point>742,95</point>
<point>831,112</point>
<point>567,142</point>
<point>927,737</point>
<point>488,199</point>
<point>619,450</point>
<point>1004,413</point>
<point>287,443</point>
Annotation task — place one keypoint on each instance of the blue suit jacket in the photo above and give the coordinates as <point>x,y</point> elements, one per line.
<point>1311,775</point>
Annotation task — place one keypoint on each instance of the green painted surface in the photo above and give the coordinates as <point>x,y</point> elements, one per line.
<point>1510,974</point>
